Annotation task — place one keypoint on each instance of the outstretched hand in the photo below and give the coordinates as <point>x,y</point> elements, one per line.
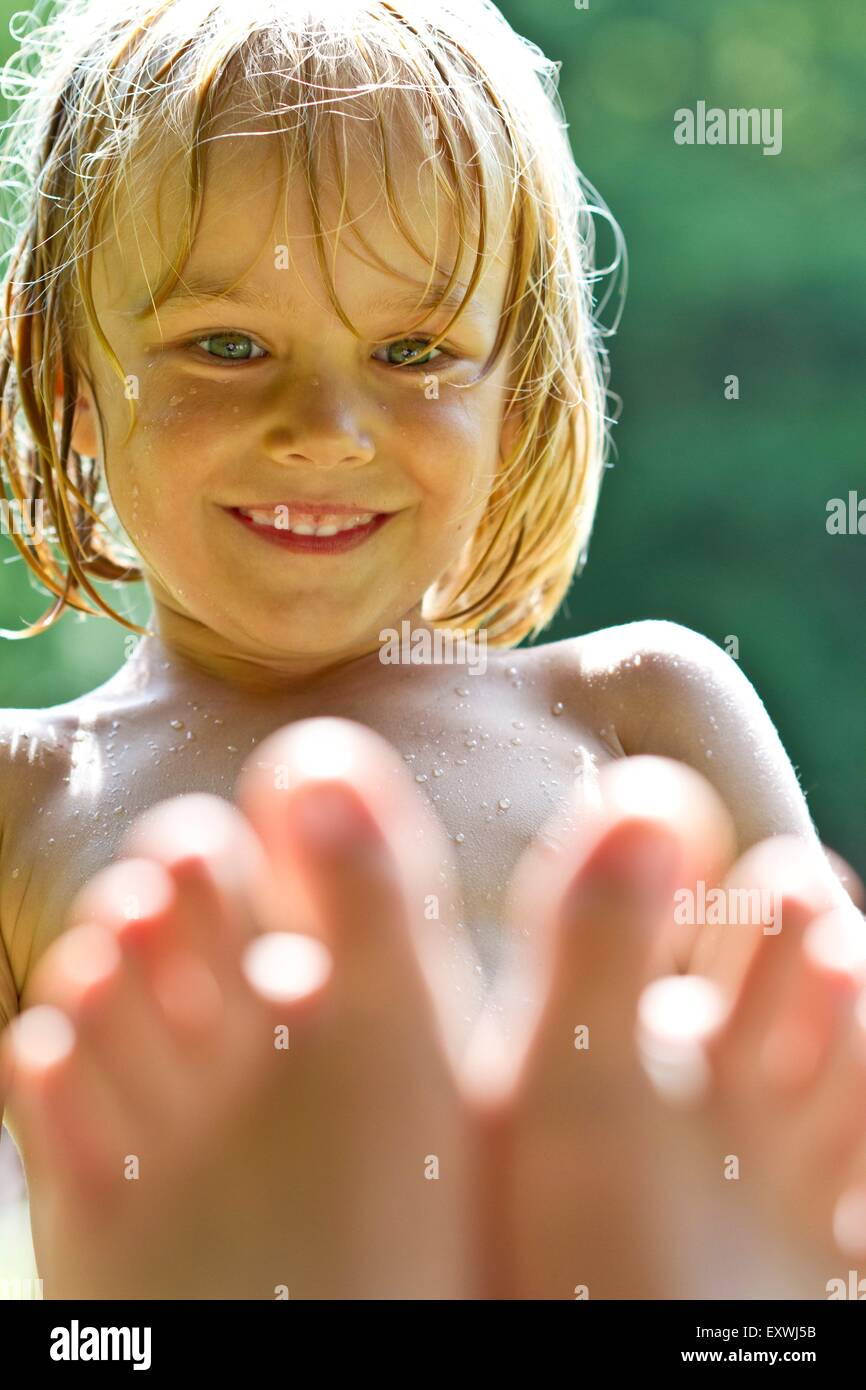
<point>689,1134</point>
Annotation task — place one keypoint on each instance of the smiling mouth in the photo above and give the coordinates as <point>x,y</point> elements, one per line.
<point>283,516</point>
<point>319,532</point>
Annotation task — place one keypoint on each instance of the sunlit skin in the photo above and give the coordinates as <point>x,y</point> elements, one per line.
<point>719,1106</point>
<point>158,1026</point>
<point>149,1031</point>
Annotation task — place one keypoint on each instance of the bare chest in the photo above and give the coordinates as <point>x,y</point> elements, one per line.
<point>497,756</point>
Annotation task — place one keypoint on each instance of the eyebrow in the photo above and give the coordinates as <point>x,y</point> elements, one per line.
<point>209,292</point>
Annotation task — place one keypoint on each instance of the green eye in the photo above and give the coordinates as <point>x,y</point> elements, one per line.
<point>234,344</point>
<point>238,347</point>
<point>405,352</point>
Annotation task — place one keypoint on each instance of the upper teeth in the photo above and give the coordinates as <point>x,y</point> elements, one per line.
<point>326,524</point>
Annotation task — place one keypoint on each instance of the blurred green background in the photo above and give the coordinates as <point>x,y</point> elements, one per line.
<point>714,512</point>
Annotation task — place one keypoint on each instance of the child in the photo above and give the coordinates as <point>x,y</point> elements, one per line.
<point>310,301</point>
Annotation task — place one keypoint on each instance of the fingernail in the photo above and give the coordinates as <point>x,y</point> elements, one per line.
<point>284,966</point>
<point>641,857</point>
<point>330,814</point>
<point>41,1036</point>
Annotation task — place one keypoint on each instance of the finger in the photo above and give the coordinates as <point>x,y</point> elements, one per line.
<point>652,790</point>
<point>393,872</point>
<point>759,969</point>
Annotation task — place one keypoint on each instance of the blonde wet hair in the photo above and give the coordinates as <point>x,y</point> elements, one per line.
<point>98,84</point>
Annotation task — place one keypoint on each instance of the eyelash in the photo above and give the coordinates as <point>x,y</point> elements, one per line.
<point>231,334</point>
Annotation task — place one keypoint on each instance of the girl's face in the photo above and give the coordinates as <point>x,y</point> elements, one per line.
<point>262,395</point>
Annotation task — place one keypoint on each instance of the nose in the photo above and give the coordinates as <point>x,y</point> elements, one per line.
<point>319,427</point>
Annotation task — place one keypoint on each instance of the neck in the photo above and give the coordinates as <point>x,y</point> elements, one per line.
<point>185,654</point>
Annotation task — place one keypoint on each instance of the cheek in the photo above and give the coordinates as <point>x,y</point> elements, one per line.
<point>452,446</point>
<point>158,500</point>
<point>164,462</point>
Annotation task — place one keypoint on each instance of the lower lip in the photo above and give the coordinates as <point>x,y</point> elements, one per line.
<point>315,545</point>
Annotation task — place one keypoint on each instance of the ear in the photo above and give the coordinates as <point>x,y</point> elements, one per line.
<point>85,439</point>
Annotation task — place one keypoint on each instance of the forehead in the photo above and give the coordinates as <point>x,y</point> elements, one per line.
<point>256,224</point>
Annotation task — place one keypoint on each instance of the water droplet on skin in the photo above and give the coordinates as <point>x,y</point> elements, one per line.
<point>470,743</point>
<point>637,660</point>
<point>517,724</point>
<point>230,748</point>
<point>461,762</point>
<point>503,803</point>
<point>176,723</point>
<point>460,837</point>
<point>709,753</point>
<point>485,735</point>
<point>516,742</point>
<point>409,757</point>
<point>218,722</point>
<point>15,873</point>
<point>461,690</point>
<point>557,708</point>
<point>437,772</point>
<point>420,776</point>
<point>512,671</point>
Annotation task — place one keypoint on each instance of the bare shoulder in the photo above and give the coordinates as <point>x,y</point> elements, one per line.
<point>33,743</point>
<point>661,671</point>
<point>672,692</point>
<point>646,647</point>
<point>35,749</point>
<point>40,750</point>
<point>630,672</point>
